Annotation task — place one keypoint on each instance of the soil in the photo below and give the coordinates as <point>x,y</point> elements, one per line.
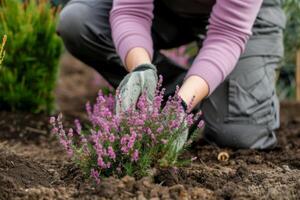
<point>34,166</point>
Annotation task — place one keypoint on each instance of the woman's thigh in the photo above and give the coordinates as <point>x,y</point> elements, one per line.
<point>243,112</point>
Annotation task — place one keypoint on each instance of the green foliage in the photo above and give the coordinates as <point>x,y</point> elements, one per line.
<point>29,71</point>
<point>292,33</point>
<point>286,83</point>
<point>2,52</point>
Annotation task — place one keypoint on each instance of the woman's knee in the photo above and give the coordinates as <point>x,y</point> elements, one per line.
<point>85,30</point>
<point>241,136</point>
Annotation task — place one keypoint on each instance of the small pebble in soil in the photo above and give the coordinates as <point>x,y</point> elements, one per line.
<point>223,156</point>
<point>286,168</point>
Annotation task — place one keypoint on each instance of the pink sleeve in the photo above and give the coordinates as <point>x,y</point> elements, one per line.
<point>229,29</point>
<point>131,22</point>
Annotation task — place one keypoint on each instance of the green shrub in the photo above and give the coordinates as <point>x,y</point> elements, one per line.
<point>286,83</point>
<point>29,71</point>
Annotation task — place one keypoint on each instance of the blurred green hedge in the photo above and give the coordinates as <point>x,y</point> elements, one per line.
<point>29,70</point>
<point>2,51</point>
<point>286,83</point>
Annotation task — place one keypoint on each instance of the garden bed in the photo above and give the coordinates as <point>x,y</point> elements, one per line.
<point>34,166</point>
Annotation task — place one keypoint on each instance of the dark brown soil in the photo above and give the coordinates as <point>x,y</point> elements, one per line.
<point>33,165</point>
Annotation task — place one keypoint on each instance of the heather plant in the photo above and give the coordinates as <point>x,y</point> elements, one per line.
<point>130,143</point>
<point>29,71</point>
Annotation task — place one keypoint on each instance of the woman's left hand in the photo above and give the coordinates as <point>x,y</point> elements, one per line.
<point>193,89</point>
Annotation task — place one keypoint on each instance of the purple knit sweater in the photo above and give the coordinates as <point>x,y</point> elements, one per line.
<point>229,29</point>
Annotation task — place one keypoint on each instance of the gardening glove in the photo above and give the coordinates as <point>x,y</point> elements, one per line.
<point>143,79</point>
<point>181,138</point>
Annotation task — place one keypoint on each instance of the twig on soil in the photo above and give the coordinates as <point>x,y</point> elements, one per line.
<point>203,163</point>
<point>34,130</point>
<point>129,193</point>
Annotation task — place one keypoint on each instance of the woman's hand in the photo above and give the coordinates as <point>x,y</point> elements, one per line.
<point>193,89</point>
<point>142,78</point>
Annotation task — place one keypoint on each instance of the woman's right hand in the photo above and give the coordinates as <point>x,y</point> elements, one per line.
<point>142,80</point>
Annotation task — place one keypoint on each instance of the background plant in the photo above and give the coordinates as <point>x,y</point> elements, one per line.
<point>286,83</point>
<point>2,51</point>
<point>29,72</point>
<point>130,143</point>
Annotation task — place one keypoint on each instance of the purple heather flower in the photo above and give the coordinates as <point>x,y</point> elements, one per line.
<point>142,104</point>
<point>83,140</point>
<point>111,153</point>
<point>78,126</point>
<point>130,143</point>
<point>104,152</point>
<point>99,135</point>
<point>193,158</point>
<point>200,124</point>
<point>135,155</point>
<point>101,163</point>
<point>148,131</point>
<point>159,85</point>
<point>95,175</point>
<point>54,130</point>
<point>70,133</point>
<point>88,109</point>
<point>124,139</point>
<point>119,170</point>
<point>110,102</point>
<point>174,124</point>
<point>52,120</point>
<point>124,149</point>
<point>70,152</point>
<point>153,138</point>
<point>160,129</point>
<point>112,138</point>
<point>164,141</point>
<point>132,139</point>
<point>189,119</point>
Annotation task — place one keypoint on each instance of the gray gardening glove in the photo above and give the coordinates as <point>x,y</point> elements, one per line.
<point>180,140</point>
<point>142,79</point>
<point>182,137</point>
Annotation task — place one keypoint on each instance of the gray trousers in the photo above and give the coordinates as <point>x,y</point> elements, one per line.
<point>243,112</point>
